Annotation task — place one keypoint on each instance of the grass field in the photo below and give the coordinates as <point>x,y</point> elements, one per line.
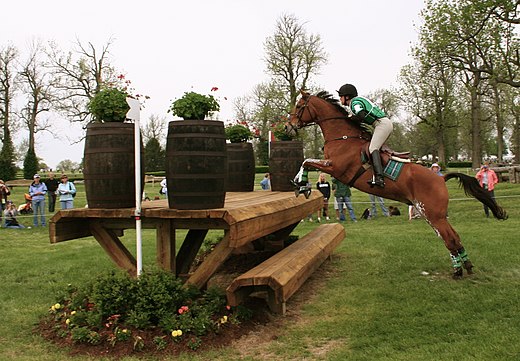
<point>386,295</point>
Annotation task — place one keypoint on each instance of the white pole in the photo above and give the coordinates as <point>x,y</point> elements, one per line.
<point>134,114</point>
<point>269,144</point>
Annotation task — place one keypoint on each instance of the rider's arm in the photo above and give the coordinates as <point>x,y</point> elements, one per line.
<point>359,116</point>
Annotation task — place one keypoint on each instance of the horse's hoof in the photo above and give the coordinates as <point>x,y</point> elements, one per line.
<point>469,267</point>
<point>457,274</point>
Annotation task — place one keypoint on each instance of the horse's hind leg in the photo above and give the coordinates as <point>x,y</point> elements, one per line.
<point>459,256</point>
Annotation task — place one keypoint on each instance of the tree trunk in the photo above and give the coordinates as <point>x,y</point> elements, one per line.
<point>476,151</point>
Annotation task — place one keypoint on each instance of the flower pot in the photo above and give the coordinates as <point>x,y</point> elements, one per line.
<point>241,167</point>
<point>109,170</point>
<point>196,164</point>
<point>285,160</point>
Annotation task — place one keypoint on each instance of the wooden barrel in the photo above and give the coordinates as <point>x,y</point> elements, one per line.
<point>241,167</point>
<point>196,164</point>
<point>109,170</point>
<point>285,160</point>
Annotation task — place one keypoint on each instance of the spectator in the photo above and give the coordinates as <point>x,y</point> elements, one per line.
<point>435,168</point>
<point>487,179</point>
<point>342,194</point>
<point>324,187</point>
<point>10,214</point>
<point>52,185</point>
<point>37,192</point>
<point>67,192</point>
<point>4,192</point>
<point>266,182</point>
<point>164,188</point>
<point>381,201</point>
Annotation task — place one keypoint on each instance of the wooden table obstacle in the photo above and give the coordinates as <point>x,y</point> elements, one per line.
<point>245,217</point>
<point>283,274</point>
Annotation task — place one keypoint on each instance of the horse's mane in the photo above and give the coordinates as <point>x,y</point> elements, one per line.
<point>330,99</point>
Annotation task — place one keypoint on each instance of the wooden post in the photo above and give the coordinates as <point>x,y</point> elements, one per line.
<point>166,244</point>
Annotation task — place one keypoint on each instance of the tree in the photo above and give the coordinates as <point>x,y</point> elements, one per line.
<point>30,164</point>
<point>293,56</point>
<point>79,75</point>
<point>39,93</point>
<point>67,165</point>
<point>8,89</point>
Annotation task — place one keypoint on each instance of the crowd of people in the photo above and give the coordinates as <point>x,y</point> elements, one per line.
<point>38,193</point>
<point>64,191</point>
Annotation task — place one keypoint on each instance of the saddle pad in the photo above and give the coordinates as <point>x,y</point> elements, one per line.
<point>393,169</point>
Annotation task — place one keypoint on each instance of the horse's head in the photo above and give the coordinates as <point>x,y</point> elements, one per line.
<point>301,115</point>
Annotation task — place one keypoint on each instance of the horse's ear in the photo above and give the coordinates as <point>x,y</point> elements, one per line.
<point>304,93</point>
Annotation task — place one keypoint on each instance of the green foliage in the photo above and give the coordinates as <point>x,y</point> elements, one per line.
<point>261,169</point>
<point>459,164</point>
<point>262,155</point>
<point>30,164</point>
<point>154,156</point>
<point>7,167</point>
<point>194,106</point>
<point>279,132</point>
<point>238,133</point>
<point>109,105</point>
<point>105,308</point>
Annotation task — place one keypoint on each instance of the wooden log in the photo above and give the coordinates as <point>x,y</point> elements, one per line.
<point>113,247</point>
<point>210,265</point>
<point>286,271</point>
<point>189,249</point>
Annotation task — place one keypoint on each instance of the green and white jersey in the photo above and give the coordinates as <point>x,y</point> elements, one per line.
<point>374,113</point>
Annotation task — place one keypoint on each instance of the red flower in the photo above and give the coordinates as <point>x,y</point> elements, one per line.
<point>214,89</point>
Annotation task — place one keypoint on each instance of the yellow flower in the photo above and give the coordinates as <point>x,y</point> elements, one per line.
<point>179,332</point>
<point>57,306</point>
<point>223,319</point>
<point>176,333</point>
<point>53,308</point>
<point>67,321</point>
<point>73,313</point>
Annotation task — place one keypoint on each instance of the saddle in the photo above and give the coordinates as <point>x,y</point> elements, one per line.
<point>386,154</point>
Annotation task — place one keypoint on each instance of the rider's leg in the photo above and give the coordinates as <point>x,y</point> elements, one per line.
<point>382,129</point>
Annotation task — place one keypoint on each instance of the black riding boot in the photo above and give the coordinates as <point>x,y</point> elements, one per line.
<point>378,170</point>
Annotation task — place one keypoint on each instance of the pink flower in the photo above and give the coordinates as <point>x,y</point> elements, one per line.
<point>214,89</point>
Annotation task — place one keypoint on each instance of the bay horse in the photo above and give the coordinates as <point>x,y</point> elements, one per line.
<point>416,184</point>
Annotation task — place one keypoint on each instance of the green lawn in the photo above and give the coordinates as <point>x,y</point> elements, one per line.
<point>387,294</point>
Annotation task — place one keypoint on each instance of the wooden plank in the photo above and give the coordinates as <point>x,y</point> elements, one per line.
<point>113,247</point>
<point>165,235</point>
<point>210,265</point>
<point>189,249</point>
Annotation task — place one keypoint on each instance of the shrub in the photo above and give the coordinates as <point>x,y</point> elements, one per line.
<point>193,106</point>
<point>109,105</point>
<point>238,133</point>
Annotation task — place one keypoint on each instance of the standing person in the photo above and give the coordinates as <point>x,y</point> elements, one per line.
<point>4,192</point>
<point>381,202</point>
<point>10,214</point>
<point>67,192</point>
<point>435,168</point>
<point>487,179</point>
<point>37,192</point>
<point>324,187</point>
<point>364,111</point>
<point>164,188</point>
<point>52,185</point>
<point>266,182</point>
<point>342,194</point>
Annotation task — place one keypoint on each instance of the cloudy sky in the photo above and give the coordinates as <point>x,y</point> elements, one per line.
<point>168,47</point>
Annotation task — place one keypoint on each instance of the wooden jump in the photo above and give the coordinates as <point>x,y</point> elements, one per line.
<point>245,217</point>
<point>283,274</point>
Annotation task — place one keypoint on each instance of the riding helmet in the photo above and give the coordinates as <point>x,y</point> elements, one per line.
<point>347,90</point>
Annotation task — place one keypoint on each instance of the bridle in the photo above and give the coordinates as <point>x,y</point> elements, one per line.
<point>315,121</point>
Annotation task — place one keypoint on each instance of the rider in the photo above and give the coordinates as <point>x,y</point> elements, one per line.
<point>367,112</point>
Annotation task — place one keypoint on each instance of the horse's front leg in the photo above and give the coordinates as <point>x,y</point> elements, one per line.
<point>301,180</point>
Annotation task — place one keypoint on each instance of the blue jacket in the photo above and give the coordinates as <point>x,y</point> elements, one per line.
<point>36,188</point>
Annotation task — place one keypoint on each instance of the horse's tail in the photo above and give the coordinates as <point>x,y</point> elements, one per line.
<point>473,188</point>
